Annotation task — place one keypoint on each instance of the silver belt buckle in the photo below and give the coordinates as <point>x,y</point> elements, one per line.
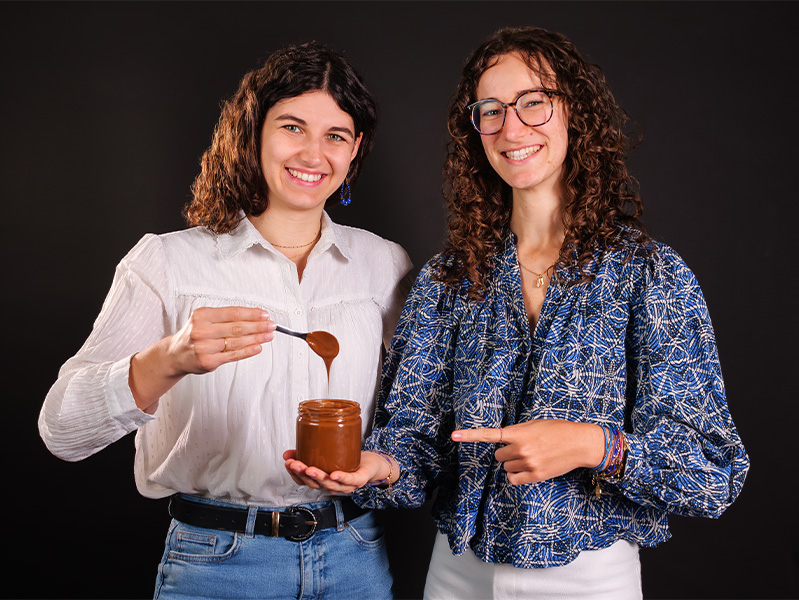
<point>312,521</point>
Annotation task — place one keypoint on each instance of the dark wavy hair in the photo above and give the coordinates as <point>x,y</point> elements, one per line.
<point>231,179</point>
<point>600,193</point>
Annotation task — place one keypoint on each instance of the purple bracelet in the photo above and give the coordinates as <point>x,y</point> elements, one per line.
<point>387,480</point>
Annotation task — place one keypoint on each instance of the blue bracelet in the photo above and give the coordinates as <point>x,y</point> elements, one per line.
<point>601,466</point>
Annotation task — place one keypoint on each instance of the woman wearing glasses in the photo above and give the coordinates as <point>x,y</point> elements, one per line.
<point>184,351</point>
<point>554,374</point>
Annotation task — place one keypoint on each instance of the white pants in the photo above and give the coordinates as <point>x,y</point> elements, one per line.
<point>613,573</point>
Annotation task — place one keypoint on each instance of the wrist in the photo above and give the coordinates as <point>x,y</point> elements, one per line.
<point>152,373</point>
<point>171,361</point>
<point>596,446</point>
<point>387,473</point>
<point>614,460</point>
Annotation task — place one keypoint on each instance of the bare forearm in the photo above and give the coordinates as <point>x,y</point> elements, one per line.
<point>152,374</point>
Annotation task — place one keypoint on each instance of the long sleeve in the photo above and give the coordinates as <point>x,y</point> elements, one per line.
<point>685,454</point>
<point>90,405</point>
<point>415,395</point>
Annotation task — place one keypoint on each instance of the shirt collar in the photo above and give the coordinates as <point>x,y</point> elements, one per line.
<point>333,235</point>
<point>506,268</point>
<point>506,261</point>
<point>244,236</point>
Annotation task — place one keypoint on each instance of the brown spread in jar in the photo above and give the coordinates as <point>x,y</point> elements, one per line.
<point>329,434</point>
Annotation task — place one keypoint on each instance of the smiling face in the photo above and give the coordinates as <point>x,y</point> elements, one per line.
<point>307,144</point>
<point>528,159</point>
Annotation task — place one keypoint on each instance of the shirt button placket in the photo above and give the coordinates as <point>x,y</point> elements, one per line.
<point>300,372</point>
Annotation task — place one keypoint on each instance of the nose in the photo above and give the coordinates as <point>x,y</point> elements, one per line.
<point>513,127</point>
<point>311,153</point>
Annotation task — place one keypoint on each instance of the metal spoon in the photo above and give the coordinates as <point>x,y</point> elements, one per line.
<point>282,329</point>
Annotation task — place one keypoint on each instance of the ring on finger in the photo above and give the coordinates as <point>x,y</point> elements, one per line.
<point>225,348</point>
<point>500,435</point>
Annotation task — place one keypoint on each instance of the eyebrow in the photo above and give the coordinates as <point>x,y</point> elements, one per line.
<point>290,117</point>
<point>519,93</point>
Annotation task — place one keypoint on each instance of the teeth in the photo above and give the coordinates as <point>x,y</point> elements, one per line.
<point>523,153</point>
<point>305,176</point>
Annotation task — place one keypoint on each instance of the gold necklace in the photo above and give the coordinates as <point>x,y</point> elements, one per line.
<point>313,241</point>
<point>539,276</point>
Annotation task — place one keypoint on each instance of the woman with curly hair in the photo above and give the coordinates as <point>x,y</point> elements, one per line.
<point>554,375</point>
<point>184,351</point>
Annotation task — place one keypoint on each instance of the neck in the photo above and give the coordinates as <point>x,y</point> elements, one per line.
<point>537,222</point>
<point>285,230</point>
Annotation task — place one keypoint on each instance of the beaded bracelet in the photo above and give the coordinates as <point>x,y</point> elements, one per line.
<point>606,453</point>
<point>387,480</point>
<point>614,459</point>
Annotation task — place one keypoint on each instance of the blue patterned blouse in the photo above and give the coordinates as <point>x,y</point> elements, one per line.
<point>634,348</point>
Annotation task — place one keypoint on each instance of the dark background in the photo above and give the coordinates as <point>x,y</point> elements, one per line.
<point>107,107</point>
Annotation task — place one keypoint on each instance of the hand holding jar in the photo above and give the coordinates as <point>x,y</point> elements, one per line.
<point>374,469</point>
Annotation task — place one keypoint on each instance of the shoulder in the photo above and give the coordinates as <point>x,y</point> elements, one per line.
<point>430,291</point>
<point>194,238</point>
<point>372,254</point>
<point>155,252</point>
<point>428,277</point>
<point>192,246</point>
<point>374,264</point>
<point>650,260</point>
<point>363,243</point>
<point>648,273</point>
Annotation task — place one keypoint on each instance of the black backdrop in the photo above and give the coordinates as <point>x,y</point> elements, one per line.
<point>106,108</point>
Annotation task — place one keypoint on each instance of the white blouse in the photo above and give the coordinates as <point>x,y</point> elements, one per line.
<point>223,434</point>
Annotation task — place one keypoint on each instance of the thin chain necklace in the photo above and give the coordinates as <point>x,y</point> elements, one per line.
<point>313,241</point>
<point>539,276</point>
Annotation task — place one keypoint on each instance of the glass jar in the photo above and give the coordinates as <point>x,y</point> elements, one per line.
<point>329,434</point>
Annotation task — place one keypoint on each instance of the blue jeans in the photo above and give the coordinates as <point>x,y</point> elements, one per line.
<point>347,561</point>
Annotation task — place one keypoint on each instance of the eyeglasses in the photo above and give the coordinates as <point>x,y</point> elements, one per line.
<point>533,107</point>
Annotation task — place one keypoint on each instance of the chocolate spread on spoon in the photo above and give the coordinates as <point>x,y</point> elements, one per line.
<point>325,345</point>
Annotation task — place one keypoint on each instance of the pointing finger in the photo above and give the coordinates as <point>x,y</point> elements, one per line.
<point>491,435</point>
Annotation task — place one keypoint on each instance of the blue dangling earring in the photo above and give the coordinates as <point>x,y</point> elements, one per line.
<point>345,195</point>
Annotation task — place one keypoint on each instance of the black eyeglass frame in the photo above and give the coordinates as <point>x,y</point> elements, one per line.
<point>505,106</point>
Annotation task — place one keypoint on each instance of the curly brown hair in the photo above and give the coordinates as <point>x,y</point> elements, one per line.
<point>231,179</point>
<point>600,194</point>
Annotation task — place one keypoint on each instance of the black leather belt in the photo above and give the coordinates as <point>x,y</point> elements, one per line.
<point>297,523</point>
